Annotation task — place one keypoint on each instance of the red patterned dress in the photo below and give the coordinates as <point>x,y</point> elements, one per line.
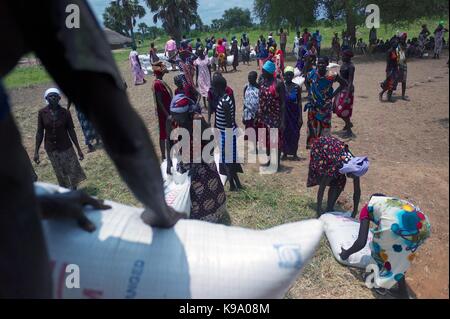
<point>269,112</point>
<point>328,155</point>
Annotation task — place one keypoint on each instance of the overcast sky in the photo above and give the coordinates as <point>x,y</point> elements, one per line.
<point>207,9</point>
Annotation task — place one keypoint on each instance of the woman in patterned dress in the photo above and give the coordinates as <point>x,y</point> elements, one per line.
<point>319,83</point>
<point>330,164</point>
<point>55,127</point>
<point>203,74</point>
<point>271,109</point>
<point>208,200</point>
<point>343,103</point>
<point>400,229</point>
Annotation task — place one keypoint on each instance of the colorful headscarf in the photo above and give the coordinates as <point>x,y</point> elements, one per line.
<point>270,67</point>
<point>357,166</point>
<point>289,69</point>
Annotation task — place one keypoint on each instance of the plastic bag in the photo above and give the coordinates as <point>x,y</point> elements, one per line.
<point>177,189</point>
<point>342,231</point>
<point>125,258</point>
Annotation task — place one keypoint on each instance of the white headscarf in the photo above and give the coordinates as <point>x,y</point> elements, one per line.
<point>50,91</point>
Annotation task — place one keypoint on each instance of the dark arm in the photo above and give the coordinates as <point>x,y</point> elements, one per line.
<point>73,136</point>
<point>196,75</point>
<point>160,104</point>
<point>228,119</point>
<point>281,90</point>
<point>360,242</point>
<point>299,99</point>
<point>342,83</point>
<point>356,195</point>
<point>39,138</point>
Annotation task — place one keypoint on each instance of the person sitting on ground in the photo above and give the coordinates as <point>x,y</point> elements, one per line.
<point>331,162</point>
<point>400,229</point>
<point>362,47</point>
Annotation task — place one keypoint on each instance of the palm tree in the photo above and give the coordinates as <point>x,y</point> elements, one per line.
<point>176,15</point>
<point>131,10</point>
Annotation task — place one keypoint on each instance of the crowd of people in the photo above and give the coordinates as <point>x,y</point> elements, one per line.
<point>272,101</point>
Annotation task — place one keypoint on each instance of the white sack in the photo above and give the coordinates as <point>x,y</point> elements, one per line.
<point>342,231</point>
<point>124,258</point>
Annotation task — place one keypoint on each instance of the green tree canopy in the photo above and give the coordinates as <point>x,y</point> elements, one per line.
<point>236,17</point>
<point>176,16</point>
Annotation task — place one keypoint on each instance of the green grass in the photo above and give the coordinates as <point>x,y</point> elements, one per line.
<point>26,76</point>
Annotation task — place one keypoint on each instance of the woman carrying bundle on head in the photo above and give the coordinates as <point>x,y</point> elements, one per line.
<point>221,52</point>
<point>319,83</point>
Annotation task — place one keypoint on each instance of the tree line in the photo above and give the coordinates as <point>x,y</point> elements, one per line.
<point>178,17</point>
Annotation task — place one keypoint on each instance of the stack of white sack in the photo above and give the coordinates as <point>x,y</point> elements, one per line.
<point>342,231</point>
<point>147,66</point>
<point>125,258</point>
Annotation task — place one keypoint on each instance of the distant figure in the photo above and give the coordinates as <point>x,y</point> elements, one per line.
<point>221,53</point>
<point>136,68</point>
<point>317,41</point>
<point>343,103</point>
<point>336,48</point>
<point>283,40</point>
<point>306,36</point>
<point>438,39</point>
<point>235,53</point>
<point>170,50</point>
<point>245,49</point>
<point>372,36</point>
<point>203,74</point>
<point>297,43</point>
<point>198,44</point>
<point>362,47</point>
<point>153,53</point>
<point>423,35</point>
<point>392,71</point>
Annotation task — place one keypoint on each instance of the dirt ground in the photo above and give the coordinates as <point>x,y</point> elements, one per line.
<point>407,143</point>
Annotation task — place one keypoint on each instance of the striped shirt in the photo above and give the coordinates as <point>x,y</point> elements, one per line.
<point>221,122</point>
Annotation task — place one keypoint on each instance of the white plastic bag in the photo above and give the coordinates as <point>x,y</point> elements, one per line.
<point>125,258</point>
<point>342,231</point>
<point>177,189</point>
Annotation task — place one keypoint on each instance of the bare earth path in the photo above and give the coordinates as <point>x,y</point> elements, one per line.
<point>406,142</point>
